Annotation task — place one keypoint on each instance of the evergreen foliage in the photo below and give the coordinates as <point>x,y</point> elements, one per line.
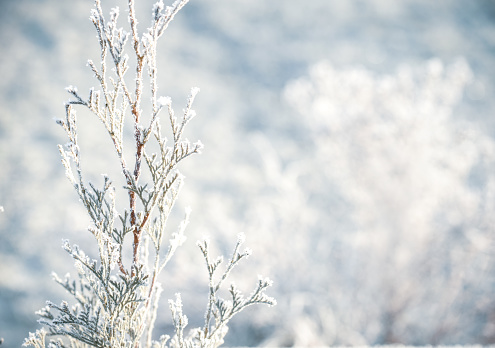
<point>115,305</point>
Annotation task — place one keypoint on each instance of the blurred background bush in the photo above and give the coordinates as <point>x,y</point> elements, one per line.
<point>352,141</point>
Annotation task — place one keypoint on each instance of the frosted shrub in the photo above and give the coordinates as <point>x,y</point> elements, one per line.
<point>416,185</point>
<point>116,302</point>
<point>368,128</point>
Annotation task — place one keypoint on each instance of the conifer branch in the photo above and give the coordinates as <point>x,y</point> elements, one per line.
<point>117,306</point>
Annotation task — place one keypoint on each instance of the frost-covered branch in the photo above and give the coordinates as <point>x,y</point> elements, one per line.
<point>116,300</point>
<point>222,310</point>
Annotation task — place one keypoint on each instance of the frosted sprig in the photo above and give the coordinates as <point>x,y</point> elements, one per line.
<point>116,299</point>
<point>219,310</point>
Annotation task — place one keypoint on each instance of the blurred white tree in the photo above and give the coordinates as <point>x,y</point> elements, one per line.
<point>416,192</point>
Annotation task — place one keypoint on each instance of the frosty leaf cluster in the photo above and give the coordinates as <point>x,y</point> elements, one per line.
<point>115,301</point>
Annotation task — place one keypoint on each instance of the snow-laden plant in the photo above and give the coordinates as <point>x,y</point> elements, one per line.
<point>412,220</point>
<point>115,305</point>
